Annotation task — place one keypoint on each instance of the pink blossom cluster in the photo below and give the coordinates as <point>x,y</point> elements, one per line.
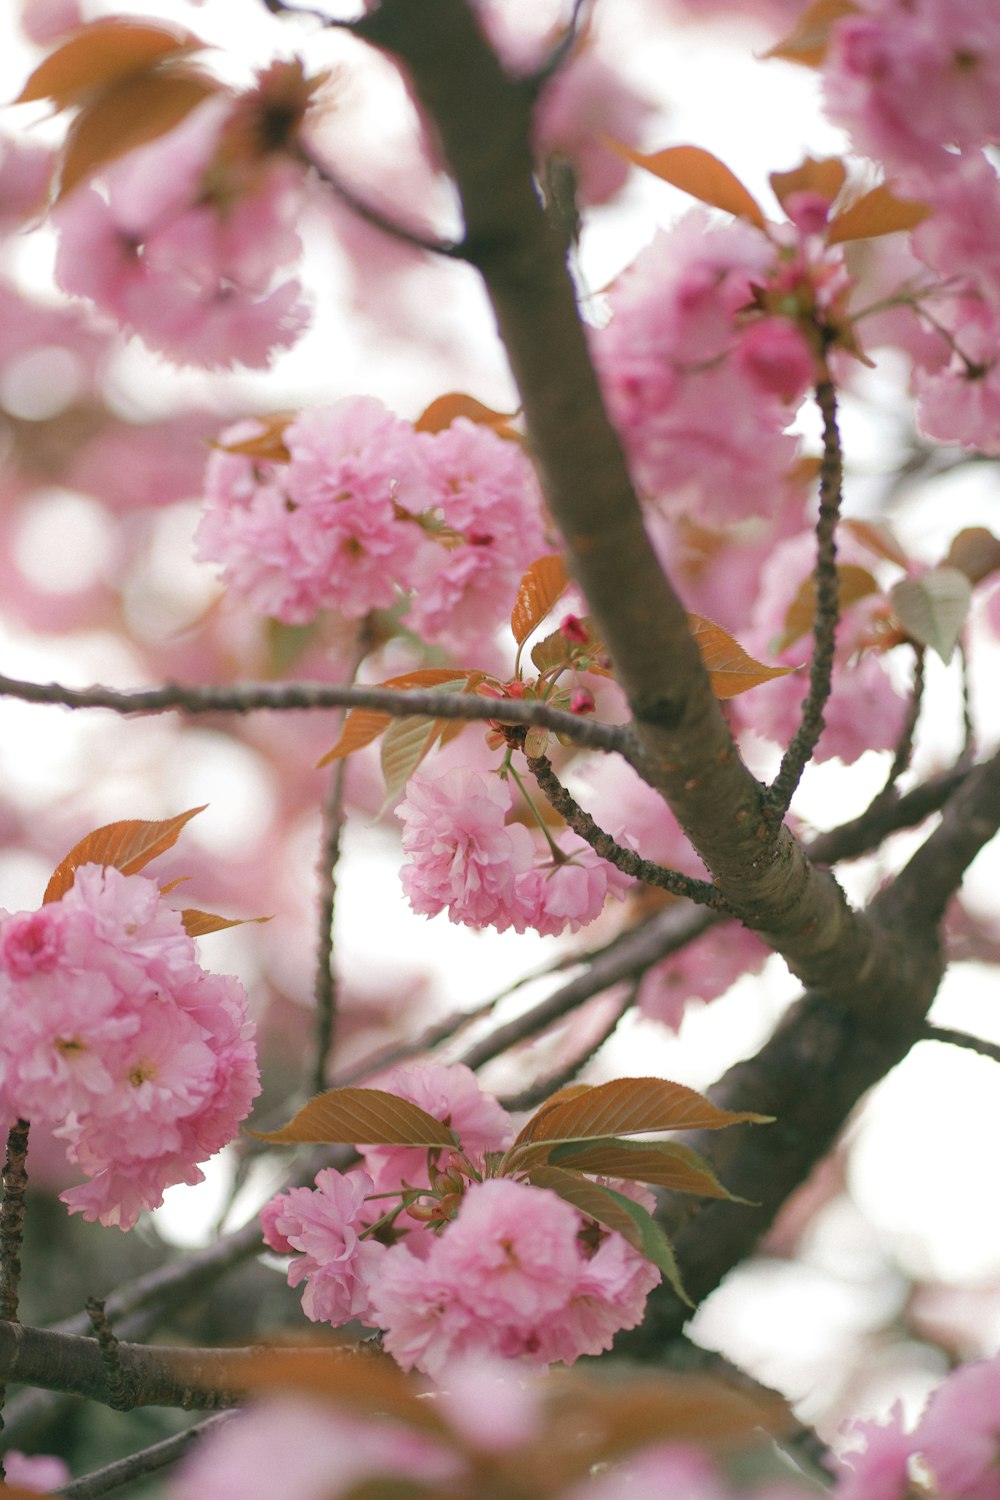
<point>917,85</point>
<point>701,393</point>
<point>464,857</point>
<point>185,253</point>
<point>367,512</point>
<point>957,1442</point>
<point>113,1033</point>
<point>469,1264</point>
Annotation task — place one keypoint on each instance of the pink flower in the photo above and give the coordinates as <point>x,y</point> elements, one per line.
<point>113,1032</point>
<point>668,368</point>
<point>463,858</point>
<point>584,103</point>
<point>184,251</point>
<point>910,77</point>
<point>484,493</point>
<point>959,1434</point>
<point>335,528</point>
<point>325,1224</point>
<point>879,1470</point>
<point>960,402</point>
<point>509,1276</point>
<point>38,1472</point>
<point>571,894</point>
<point>298,1447</point>
<point>453,1095</point>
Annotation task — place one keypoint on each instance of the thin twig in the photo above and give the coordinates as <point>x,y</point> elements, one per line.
<point>542,1089</point>
<point>146,1461</point>
<point>253,697</point>
<point>701,892</point>
<point>867,831</point>
<point>904,745</point>
<point>120,1396</point>
<point>968,726</point>
<point>826,615</point>
<point>377,217</point>
<point>964,1039</point>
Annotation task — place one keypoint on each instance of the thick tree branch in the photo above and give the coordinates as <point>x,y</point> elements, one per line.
<point>205,1379</point>
<point>683,745</point>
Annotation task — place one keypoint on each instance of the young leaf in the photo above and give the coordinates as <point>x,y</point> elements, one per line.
<point>974,552</point>
<point>614,1211</point>
<point>877,212</point>
<point>730,670</point>
<point>854,583</point>
<point>130,113</point>
<point>201,923</point>
<point>540,588</point>
<point>824,176</point>
<point>627,1106</point>
<point>878,538</point>
<point>128,846</point>
<point>406,743</point>
<point>363,725</point>
<point>442,412</point>
<point>932,609</point>
<point>360,1117</point>
<point>663,1164</point>
<point>699,173</point>
<point>103,53</point>
<point>269,440</point>
<point>808,40</point>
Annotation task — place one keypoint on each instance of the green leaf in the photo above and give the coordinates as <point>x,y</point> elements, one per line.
<point>933,608</point>
<point>698,172</point>
<point>406,743</point>
<point>363,725</point>
<point>626,1106</point>
<point>540,588</point>
<point>663,1164</point>
<point>361,1117</point>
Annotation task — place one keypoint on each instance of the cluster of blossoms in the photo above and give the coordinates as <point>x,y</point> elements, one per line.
<point>367,510</point>
<point>448,1261</point>
<point>916,83</point>
<point>463,857</point>
<point>182,241</point>
<point>680,348</point>
<point>312,1451</point>
<point>114,1034</point>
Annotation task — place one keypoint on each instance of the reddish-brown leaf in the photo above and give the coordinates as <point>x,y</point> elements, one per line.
<point>540,588</point>
<point>699,173</point>
<point>361,1117</point>
<point>663,1164</point>
<point>627,1106</point>
<point>442,412</point>
<point>878,538</point>
<point>730,669</point>
<point>128,114</point>
<point>201,923</point>
<point>807,42</point>
<point>268,442</point>
<point>363,725</point>
<point>825,176</point>
<point>101,54</point>
<point>974,552</point>
<point>128,846</point>
<point>875,213</point>
<point>854,583</point>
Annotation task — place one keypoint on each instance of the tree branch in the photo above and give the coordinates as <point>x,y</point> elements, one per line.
<point>250,697</point>
<point>146,1461</point>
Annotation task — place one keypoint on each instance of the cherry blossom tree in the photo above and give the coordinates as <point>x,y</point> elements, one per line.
<point>591,607</point>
